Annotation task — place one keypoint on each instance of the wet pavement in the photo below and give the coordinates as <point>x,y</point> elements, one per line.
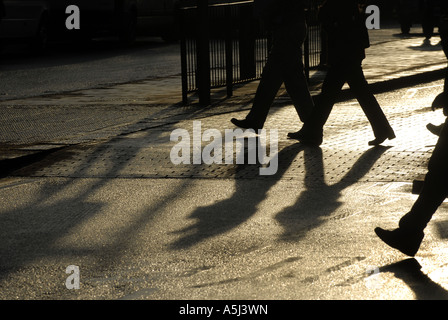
<point>105,196</point>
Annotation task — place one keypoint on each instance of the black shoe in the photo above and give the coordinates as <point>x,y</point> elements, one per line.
<point>296,135</point>
<point>311,141</point>
<point>380,139</point>
<point>245,124</point>
<point>306,139</point>
<point>441,101</point>
<point>406,242</point>
<point>436,130</point>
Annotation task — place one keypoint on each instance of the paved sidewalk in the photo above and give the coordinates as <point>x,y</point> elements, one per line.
<point>139,144</point>
<point>32,126</point>
<point>111,201</point>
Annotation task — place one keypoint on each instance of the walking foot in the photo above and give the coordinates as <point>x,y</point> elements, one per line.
<point>296,135</point>
<point>436,130</point>
<point>245,124</point>
<point>406,242</point>
<point>306,139</point>
<point>381,138</point>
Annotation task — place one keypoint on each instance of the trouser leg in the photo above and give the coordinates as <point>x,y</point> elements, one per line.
<point>268,87</point>
<point>370,106</point>
<point>284,65</point>
<point>333,83</point>
<point>293,71</point>
<point>435,187</point>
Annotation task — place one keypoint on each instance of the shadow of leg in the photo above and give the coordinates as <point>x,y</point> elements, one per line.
<point>409,271</point>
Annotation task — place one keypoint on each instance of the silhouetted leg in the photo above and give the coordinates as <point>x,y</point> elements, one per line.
<point>408,237</point>
<point>358,84</point>
<point>435,187</point>
<point>284,65</point>
<point>333,83</point>
<point>272,77</point>
<point>292,69</point>
<point>268,87</point>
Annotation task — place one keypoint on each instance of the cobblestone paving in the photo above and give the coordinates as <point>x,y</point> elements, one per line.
<point>344,155</point>
<point>141,125</point>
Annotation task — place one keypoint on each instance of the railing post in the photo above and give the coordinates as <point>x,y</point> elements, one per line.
<point>203,56</point>
<point>324,48</point>
<point>183,55</point>
<point>229,51</point>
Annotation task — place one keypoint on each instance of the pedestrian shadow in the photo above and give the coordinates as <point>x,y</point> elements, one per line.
<point>57,207</point>
<point>320,200</point>
<point>409,271</point>
<point>225,215</point>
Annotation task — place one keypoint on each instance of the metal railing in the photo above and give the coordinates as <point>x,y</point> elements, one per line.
<point>223,45</point>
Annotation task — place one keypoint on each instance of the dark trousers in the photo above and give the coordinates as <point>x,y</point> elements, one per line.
<point>335,79</point>
<point>284,65</point>
<point>435,187</point>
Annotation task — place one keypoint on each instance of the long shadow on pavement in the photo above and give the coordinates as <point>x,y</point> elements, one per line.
<point>53,208</point>
<point>409,270</point>
<point>232,212</point>
<point>320,199</point>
